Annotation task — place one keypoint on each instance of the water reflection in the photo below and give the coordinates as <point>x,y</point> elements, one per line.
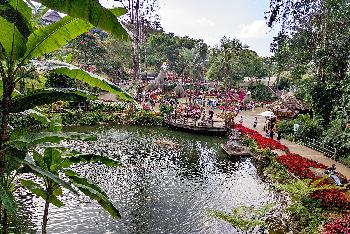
<point>159,189</point>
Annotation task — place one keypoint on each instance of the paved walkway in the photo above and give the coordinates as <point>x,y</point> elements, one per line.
<point>248,119</point>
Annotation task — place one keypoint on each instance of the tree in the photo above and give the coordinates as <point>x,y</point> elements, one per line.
<point>194,61</point>
<point>20,41</point>
<point>141,18</point>
<point>315,36</point>
<point>230,61</point>
<point>99,51</point>
<point>163,47</point>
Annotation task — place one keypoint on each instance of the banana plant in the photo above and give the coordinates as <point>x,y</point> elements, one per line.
<point>49,162</point>
<point>57,160</point>
<point>20,42</point>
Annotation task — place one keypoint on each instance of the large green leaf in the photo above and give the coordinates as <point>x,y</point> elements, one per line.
<point>39,191</point>
<point>100,198</point>
<point>79,158</point>
<point>94,81</point>
<point>118,11</point>
<point>38,115</point>
<point>50,38</point>
<point>92,11</point>
<point>52,157</point>
<point>18,13</point>
<point>22,8</point>
<point>51,176</point>
<point>34,188</point>
<point>24,140</point>
<point>48,96</point>
<point>7,200</point>
<point>56,123</point>
<point>38,159</point>
<point>13,42</point>
<point>84,181</point>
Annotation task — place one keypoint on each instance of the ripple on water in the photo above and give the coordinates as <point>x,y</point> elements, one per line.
<point>158,189</point>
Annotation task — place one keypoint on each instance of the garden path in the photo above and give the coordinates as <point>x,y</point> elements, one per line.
<point>248,119</point>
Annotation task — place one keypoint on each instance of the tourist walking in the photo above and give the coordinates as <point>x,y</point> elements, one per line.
<point>255,123</point>
<point>279,136</point>
<point>271,133</point>
<point>241,121</point>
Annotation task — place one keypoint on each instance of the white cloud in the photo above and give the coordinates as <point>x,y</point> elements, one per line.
<point>205,22</point>
<point>256,29</point>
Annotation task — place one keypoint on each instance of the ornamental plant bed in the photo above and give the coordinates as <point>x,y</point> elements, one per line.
<point>300,167</point>
<point>338,226</point>
<point>263,142</point>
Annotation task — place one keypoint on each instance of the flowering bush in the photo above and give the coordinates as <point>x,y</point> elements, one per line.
<point>300,167</point>
<point>338,226</point>
<point>331,198</point>
<point>263,142</point>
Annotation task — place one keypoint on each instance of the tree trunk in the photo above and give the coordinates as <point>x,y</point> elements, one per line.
<point>136,59</point>
<point>5,224</point>
<point>45,217</point>
<point>136,41</point>
<point>8,86</point>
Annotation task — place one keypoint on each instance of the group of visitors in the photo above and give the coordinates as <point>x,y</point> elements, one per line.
<point>270,128</point>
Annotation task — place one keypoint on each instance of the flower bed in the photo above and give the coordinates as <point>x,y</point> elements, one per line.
<point>338,226</point>
<point>263,142</point>
<point>300,167</point>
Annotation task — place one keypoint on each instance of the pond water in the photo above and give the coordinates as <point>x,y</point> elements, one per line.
<point>159,189</point>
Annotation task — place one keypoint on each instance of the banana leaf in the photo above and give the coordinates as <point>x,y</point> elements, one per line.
<point>92,11</point>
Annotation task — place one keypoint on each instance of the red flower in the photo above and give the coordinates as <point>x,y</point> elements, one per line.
<point>300,167</point>
<point>263,142</point>
<point>338,226</point>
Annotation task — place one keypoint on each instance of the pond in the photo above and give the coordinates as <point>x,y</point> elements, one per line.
<point>159,189</point>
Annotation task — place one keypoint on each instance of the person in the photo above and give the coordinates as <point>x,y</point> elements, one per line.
<point>255,122</point>
<point>271,133</point>
<point>279,136</point>
<point>211,114</point>
<point>241,121</point>
<point>296,128</point>
<point>333,175</point>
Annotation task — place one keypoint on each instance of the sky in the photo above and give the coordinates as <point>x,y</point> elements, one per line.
<point>212,19</point>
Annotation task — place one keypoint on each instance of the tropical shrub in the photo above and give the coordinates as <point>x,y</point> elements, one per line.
<point>146,118</point>
<point>165,109</point>
<point>21,41</point>
<point>338,136</point>
<point>95,105</point>
<point>244,218</point>
<point>308,127</point>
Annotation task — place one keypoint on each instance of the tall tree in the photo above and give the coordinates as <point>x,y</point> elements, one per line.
<point>141,18</point>
<point>224,61</point>
<point>315,34</point>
